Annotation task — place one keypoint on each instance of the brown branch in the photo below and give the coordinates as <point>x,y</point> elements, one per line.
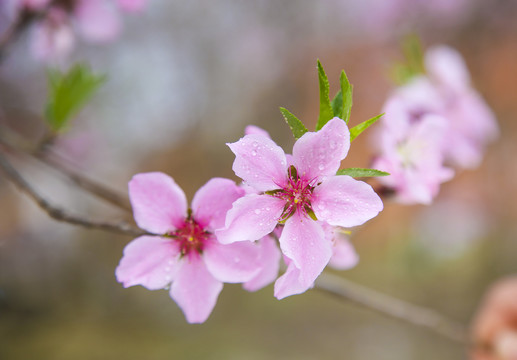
<point>16,143</point>
<point>59,214</point>
<point>392,307</point>
<point>85,183</point>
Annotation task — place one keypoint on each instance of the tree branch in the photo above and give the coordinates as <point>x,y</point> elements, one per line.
<point>59,214</point>
<point>392,307</point>
<point>85,183</point>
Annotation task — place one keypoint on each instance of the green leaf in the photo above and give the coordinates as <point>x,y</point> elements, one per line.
<point>68,93</point>
<point>337,104</point>
<point>360,172</point>
<point>326,112</point>
<point>413,64</point>
<point>294,123</point>
<point>358,129</point>
<point>346,93</point>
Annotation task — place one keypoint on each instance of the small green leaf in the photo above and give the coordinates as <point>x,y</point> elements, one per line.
<point>360,172</point>
<point>68,93</point>
<point>337,104</point>
<point>358,129</point>
<point>326,112</point>
<point>346,93</point>
<point>294,123</point>
<point>413,64</point>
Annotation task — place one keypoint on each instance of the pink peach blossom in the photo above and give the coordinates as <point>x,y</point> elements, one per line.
<point>186,255</point>
<point>294,194</point>
<point>472,125</point>
<point>410,143</point>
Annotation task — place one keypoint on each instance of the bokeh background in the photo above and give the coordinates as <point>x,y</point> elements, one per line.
<point>184,78</point>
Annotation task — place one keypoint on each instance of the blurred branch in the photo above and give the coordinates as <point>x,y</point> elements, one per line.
<point>15,142</point>
<point>392,307</point>
<point>59,214</point>
<point>85,183</point>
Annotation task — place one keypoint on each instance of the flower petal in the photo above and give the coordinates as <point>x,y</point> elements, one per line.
<point>320,153</point>
<point>195,290</point>
<point>251,218</point>
<point>270,261</point>
<point>289,283</point>
<point>447,66</point>
<point>159,204</point>
<point>232,263</point>
<point>97,20</point>
<point>259,162</point>
<point>252,129</point>
<point>344,201</point>
<point>344,256</point>
<point>304,242</point>
<point>213,200</point>
<point>150,261</point>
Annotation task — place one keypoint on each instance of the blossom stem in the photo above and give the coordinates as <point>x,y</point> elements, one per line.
<point>416,315</point>
<point>59,214</point>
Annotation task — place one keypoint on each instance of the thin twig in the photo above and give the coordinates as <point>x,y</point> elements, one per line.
<point>16,143</point>
<point>389,306</point>
<point>85,183</point>
<point>59,214</point>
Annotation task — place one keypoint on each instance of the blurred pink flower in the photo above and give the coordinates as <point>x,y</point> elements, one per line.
<point>132,5</point>
<point>52,38</point>
<point>97,20</point>
<point>295,194</point>
<point>187,255</point>
<point>472,125</point>
<point>410,143</point>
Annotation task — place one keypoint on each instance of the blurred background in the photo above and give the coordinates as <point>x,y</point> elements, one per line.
<point>184,78</point>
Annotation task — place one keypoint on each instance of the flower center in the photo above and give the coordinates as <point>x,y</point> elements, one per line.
<point>191,236</point>
<point>297,195</point>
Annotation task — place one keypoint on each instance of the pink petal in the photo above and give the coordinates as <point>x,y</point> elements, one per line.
<point>52,39</point>
<point>270,261</point>
<point>97,20</point>
<point>304,242</point>
<point>344,256</point>
<point>319,154</point>
<point>251,218</point>
<point>159,204</point>
<point>259,162</point>
<point>447,66</point>
<point>195,290</point>
<point>212,201</point>
<point>289,283</point>
<point>344,201</point>
<point>252,129</point>
<point>232,263</point>
<point>132,5</point>
<point>150,261</point>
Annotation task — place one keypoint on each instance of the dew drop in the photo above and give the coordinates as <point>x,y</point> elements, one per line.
<point>255,144</point>
<point>257,211</point>
<point>253,153</point>
<point>321,166</point>
<point>267,209</point>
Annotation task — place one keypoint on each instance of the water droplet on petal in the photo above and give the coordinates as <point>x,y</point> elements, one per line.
<point>255,144</point>
<point>253,153</point>
<point>321,166</point>
<point>257,211</point>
